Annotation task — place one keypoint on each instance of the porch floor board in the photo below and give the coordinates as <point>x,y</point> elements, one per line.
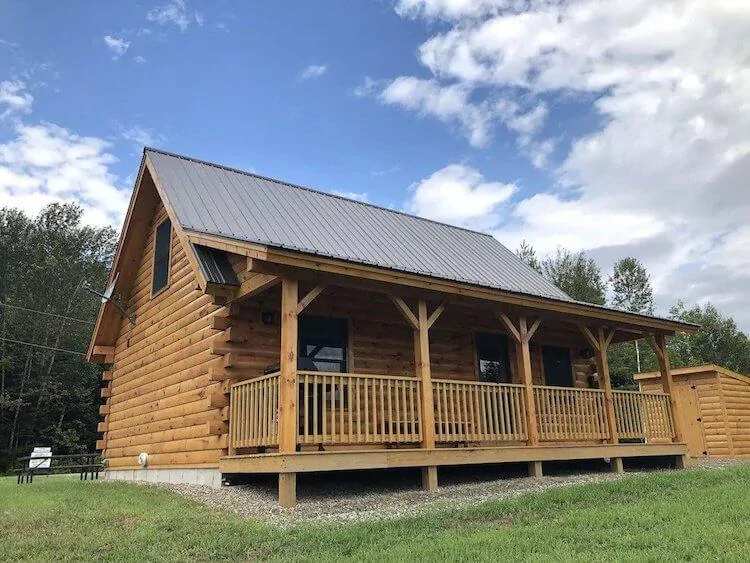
<point>303,462</point>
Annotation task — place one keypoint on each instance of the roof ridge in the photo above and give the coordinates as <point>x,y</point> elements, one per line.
<point>317,191</point>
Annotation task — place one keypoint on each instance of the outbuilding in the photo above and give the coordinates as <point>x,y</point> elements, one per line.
<point>713,405</point>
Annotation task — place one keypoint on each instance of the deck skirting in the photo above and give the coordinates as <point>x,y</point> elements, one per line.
<point>303,462</point>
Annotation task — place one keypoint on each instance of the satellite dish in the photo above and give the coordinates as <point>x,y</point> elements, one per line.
<point>107,295</point>
<point>110,295</point>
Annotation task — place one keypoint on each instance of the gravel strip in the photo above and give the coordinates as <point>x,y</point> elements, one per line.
<point>354,497</point>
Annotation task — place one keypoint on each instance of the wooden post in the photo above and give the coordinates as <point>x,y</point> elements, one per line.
<point>658,343</point>
<point>522,335</point>
<point>424,374</point>
<point>288,388</point>
<point>603,363</point>
<point>601,343</point>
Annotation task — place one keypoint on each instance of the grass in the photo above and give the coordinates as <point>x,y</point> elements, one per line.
<point>687,515</point>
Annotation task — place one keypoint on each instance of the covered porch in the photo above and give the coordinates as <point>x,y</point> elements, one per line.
<point>421,378</point>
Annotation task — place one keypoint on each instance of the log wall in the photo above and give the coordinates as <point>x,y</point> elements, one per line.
<point>159,384</point>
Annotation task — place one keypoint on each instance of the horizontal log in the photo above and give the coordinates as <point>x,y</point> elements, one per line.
<point>107,375</point>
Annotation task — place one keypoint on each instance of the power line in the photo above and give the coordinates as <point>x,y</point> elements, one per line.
<point>42,346</point>
<point>45,313</point>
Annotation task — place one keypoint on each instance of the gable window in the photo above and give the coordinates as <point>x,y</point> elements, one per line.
<point>558,369</point>
<point>162,245</point>
<point>493,359</point>
<point>323,343</point>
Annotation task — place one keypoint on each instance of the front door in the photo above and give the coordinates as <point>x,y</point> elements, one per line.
<point>688,413</point>
<point>558,371</point>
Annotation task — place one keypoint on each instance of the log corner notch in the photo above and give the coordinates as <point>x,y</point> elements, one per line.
<point>102,355</point>
<point>659,344</point>
<point>421,322</point>
<point>522,333</point>
<point>600,342</point>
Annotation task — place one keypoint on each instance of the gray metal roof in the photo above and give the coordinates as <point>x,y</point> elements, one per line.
<point>214,199</point>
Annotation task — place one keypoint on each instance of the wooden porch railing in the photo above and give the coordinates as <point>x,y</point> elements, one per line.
<point>471,411</point>
<point>254,408</point>
<point>347,408</point>
<point>568,415</point>
<point>643,416</point>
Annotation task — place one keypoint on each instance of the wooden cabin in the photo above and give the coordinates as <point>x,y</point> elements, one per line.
<point>713,408</point>
<point>283,330</point>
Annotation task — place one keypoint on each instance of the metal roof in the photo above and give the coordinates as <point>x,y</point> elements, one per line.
<point>210,198</point>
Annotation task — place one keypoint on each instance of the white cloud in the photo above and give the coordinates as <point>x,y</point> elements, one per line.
<point>173,13</point>
<point>117,45</point>
<point>358,196</point>
<point>142,136</point>
<point>460,195</point>
<point>45,163</point>
<point>662,172</point>
<point>200,18</point>
<point>313,71</point>
<point>449,103</point>
<point>14,98</point>
<point>139,59</point>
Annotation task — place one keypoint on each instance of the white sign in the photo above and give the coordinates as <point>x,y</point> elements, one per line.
<point>44,462</point>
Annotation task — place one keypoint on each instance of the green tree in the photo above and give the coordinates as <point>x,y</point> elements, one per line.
<point>527,253</point>
<point>631,289</point>
<point>48,397</point>
<point>576,274</point>
<point>719,340</point>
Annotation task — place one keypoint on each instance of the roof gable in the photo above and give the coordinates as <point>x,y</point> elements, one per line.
<point>213,199</point>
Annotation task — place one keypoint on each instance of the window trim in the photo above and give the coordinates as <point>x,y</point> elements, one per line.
<point>169,260</point>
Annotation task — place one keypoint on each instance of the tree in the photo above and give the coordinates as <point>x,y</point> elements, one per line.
<point>527,253</point>
<point>576,274</point>
<point>48,397</point>
<point>719,340</point>
<point>631,287</point>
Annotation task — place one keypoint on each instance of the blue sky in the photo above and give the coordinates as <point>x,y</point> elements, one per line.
<point>618,129</point>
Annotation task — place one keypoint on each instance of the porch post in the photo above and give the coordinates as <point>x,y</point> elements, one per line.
<point>288,388</point>
<point>603,361</point>
<point>423,373</point>
<point>658,342</point>
<point>522,336</point>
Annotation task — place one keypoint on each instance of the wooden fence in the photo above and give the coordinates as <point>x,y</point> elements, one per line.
<point>569,415</point>
<point>254,409</point>
<point>470,411</point>
<point>347,408</point>
<point>644,416</point>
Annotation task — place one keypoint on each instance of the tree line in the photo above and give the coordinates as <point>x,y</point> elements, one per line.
<point>49,394</point>
<point>720,341</point>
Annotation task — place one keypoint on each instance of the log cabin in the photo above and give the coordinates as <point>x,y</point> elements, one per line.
<point>278,329</point>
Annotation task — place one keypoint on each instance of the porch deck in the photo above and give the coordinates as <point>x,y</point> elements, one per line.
<point>358,421</point>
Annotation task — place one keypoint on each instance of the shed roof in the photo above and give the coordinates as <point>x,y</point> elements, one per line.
<point>214,199</point>
<point>678,372</point>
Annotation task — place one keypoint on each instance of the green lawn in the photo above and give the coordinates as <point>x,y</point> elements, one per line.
<point>695,515</point>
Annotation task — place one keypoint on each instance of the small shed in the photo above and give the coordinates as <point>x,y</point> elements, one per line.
<point>713,404</point>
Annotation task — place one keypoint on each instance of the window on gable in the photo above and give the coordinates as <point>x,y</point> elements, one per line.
<point>492,355</point>
<point>162,246</point>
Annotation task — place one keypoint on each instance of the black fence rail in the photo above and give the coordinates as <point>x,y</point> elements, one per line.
<point>86,465</point>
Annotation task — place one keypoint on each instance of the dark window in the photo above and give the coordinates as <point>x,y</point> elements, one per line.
<point>558,370</point>
<point>323,342</point>
<point>492,354</point>
<point>161,256</point>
